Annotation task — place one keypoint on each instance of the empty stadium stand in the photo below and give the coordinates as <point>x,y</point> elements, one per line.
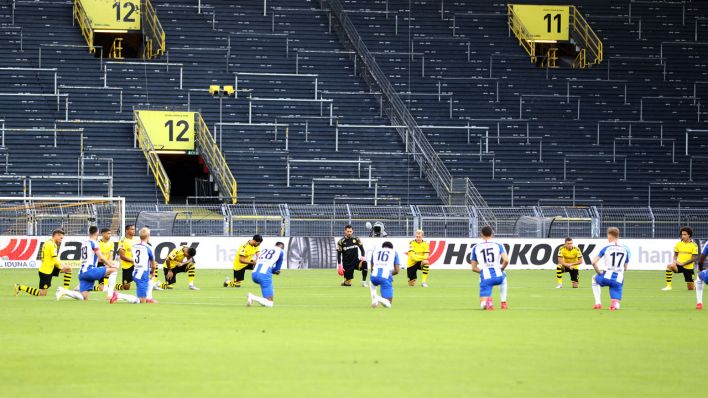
<point>306,126</point>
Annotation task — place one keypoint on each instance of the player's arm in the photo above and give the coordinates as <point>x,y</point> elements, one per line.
<point>246,260</point>
<point>595,266</point>
<point>562,262</point>
<point>703,257</point>
<point>396,265</point>
<point>101,257</point>
<point>361,250</point>
<point>505,260</point>
<point>64,268</point>
<point>123,256</point>
<point>278,264</point>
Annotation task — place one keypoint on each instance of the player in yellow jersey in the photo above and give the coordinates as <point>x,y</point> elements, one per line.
<point>125,252</point>
<point>106,247</point>
<point>685,257</point>
<point>418,252</point>
<point>180,259</point>
<point>245,258</point>
<point>50,267</point>
<point>569,258</point>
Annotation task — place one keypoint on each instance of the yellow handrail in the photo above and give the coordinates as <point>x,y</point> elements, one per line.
<point>154,34</point>
<point>215,160</point>
<point>154,163</point>
<point>82,18</point>
<point>585,37</point>
<point>521,33</point>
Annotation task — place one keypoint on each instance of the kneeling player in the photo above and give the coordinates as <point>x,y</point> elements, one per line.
<point>569,258</point>
<point>702,280</point>
<point>180,259</point>
<point>384,264</point>
<point>91,272</point>
<point>145,266</point>
<point>49,268</point>
<point>685,256</point>
<point>418,252</point>
<point>489,259</point>
<point>616,257</point>
<point>245,258</point>
<point>269,262</point>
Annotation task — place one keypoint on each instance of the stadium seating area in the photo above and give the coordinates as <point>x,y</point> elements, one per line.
<point>623,132</point>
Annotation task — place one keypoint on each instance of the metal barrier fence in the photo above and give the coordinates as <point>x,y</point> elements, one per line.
<point>18,217</point>
<point>438,221</point>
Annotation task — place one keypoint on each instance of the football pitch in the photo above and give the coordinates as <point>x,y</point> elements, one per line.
<point>323,340</point>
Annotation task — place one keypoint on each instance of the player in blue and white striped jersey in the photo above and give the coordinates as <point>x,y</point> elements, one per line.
<point>269,262</point>
<point>384,265</point>
<point>702,278</point>
<point>489,259</point>
<point>90,271</point>
<point>144,266</point>
<point>616,257</point>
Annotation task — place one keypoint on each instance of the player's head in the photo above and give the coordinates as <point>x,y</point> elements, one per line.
<point>189,252</point>
<point>387,245</point>
<point>93,232</point>
<point>686,234</point>
<point>281,245</point>
<point>613,233</point>
<point>569,243</point>
<point>348,231</point>
<point>256,241</point>
<point>419,234</point>
<point>487,232</point>
<point>57,235</point>
<point>130,230</point>
<point>106,234</point>
<point>144,234</point>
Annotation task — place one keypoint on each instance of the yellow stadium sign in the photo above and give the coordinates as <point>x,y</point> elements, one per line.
<point>112,15</point>
<point>548,22</point>
<point>169,131</point>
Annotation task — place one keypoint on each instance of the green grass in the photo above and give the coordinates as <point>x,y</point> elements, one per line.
<point>322,340</point>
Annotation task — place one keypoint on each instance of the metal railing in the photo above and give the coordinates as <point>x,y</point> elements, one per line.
<point>153,160</point>
<point>215,160</point>
<point>416,143</point>
<point>585,38</point>
<point>84,21</point>
<point>154,34</point>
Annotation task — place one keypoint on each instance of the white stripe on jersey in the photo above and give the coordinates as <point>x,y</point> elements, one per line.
<point>89,259</point>
<point>267,260</point>
<point>383,261</point>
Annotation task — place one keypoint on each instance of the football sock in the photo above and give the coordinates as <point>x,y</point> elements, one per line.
<point>105,281</point>
<point>364,273</point>
<point>596,291</point>
<point>129,298</point>
<point>503,289</point>
<point>72,294</point>
<point>372,289</point>
<point>98,288</point>
<point>262,301</point>
<point>112,284</point>
<point>151,285</point>
<point>386,302</point>
<point>154,276</point>
<point>669,276</point>
<point>234,283</point>
<point>67,279</point>
<point>35,292</point>
<point>699,290</point>
<point>164,285</point>
<point>425,269</point>
<point>559,274</point>
<point>191,273</point>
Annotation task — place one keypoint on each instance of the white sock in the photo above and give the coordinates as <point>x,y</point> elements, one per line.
<point>699,291</point>
<point>596,291</point>
<point>384,301</point>
<point>73,294</point>
<point>372,289</point>
<point>262,301</point>
<point>129,298</point>
<point>111,283</point>
<point>151,285</point>
<point>503,289</point>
